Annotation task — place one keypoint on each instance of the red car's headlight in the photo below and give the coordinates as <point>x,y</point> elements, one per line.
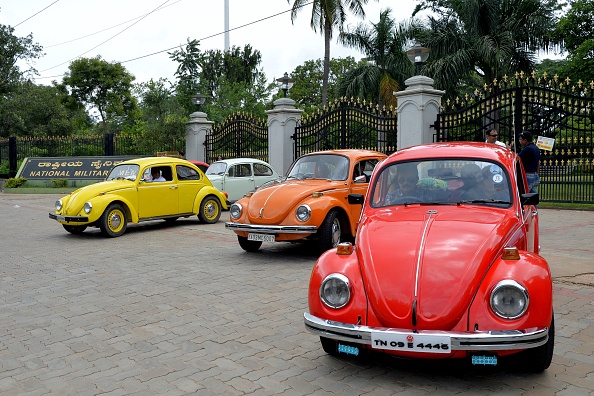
<point>335,291</point>
<point>509,299</point>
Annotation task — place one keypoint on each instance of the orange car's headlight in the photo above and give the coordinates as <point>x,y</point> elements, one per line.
<point>235,211</point>
<point>303,212</point>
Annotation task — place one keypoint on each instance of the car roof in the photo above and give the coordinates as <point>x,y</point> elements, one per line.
<point>475,150</point>
<point>146,161</point>
<point>232,161</point>
<point>351,153</point>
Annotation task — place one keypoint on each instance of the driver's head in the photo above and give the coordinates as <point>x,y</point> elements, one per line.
<point>408,178</point>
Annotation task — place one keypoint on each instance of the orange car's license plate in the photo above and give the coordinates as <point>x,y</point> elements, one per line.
<point>412,342</point>
<point>260,237</point>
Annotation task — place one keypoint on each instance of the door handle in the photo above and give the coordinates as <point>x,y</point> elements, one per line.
<point>172,187</point>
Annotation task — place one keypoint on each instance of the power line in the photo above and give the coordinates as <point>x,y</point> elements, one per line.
<point>106,29</point>
<point>177,46</point>
<point>37,13</point>
<point>115,35</point>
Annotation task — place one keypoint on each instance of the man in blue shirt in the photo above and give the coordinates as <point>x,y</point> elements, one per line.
<point>530,156</point>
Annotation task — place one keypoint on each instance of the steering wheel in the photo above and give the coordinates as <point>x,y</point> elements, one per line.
<point>406,199</point>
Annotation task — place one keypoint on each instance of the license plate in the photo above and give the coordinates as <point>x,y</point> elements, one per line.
<point>412,342</point>
<point>261,237</point>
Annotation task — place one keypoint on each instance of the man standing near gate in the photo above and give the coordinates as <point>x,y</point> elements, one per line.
<point>492,138</point>
<point>530,156</point>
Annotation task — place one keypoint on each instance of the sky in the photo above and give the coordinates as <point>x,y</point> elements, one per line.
<point>139,33</point>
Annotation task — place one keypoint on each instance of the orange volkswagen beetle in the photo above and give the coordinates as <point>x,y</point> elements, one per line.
<point>446,263</point>
<point>311,202</point>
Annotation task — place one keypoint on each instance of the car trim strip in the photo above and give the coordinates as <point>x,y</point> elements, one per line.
<point>460,341</point>
<point>69,219</point>
<point>271,229</point>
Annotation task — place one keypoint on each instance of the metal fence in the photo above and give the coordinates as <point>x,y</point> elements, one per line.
<point>347,124</point>
<point>72,146</point>
<point>547,107</point>
<point>240,135</point>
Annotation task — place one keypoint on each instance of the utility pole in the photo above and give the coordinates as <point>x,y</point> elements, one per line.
<point>226,25</point>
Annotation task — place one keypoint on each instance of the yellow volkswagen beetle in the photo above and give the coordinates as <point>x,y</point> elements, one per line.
<point>139,190</point>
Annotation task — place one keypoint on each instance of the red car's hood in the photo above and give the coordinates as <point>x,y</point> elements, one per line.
<point>271,204</point>
<point>436,259</point>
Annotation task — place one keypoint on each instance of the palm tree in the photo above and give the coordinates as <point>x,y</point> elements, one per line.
<point>386,65</point>
<point>488,38</point>
<point>325,16</point>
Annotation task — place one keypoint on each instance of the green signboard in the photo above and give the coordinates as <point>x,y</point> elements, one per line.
<point>71,168</point>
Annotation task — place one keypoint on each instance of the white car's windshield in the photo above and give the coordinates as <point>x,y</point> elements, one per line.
<point>320,166</point>
<point>442,181</point>
<point>128,172</point>
<point>217,168</point>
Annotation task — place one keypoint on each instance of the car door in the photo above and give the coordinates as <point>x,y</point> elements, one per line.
<point>189,183</point>
<point>262,174</point>
<point>158,198</point>
<point>239,181</point>
<point>529,213</point>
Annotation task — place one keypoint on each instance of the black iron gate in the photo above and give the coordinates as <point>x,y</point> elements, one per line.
<point>240,135</point>
<point>347,124</point>
<point>547,107</point>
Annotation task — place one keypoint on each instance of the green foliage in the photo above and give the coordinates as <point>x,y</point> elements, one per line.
<point>14,182</point>
<point>307,89</point>
<point>386,65</point>
<point>325,17</point>
<point>15,51</point>
<point>59,183</point>
<point>38,110</point>
<point>107,87</point>
<point>489,38</point>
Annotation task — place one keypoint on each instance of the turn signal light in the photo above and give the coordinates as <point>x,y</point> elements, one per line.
<point>317,194</point>
<point>511,253</point>
<point>344,249</point>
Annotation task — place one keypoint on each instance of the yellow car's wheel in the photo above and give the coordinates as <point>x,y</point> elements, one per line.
<point>113,221</point>
<point>210,210</point>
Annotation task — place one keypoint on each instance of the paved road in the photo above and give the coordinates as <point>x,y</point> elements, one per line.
<point>183,310</point>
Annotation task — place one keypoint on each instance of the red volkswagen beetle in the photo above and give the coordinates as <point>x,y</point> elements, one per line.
<point>445,265</point>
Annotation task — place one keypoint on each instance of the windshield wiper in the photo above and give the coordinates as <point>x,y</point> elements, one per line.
<point>487,201</point>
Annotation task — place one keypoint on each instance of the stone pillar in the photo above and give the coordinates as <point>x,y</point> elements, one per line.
<point>282,121</point>
<point>418,106</point>
<point>196,130</point>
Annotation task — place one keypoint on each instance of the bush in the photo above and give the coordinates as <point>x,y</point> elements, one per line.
<point>59,183</point>
<point>14,182</point>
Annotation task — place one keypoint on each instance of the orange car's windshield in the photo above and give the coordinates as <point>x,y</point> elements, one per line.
<point>320,166</point>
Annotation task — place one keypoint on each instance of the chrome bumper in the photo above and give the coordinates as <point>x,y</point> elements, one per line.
<point>69,219</point>
<point>271,229</point>
<point>461,341</point>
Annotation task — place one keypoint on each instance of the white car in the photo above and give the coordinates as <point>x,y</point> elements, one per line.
<point>238,176</point>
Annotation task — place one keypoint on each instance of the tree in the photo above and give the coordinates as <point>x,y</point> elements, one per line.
<point>104,86</point>
<point>307,89</point>
<point>575,32</point>
<point>490,38</point>
<point>12,50</point>
<point>386,66</point>
<point>38,110</point>
<point>189,61</point>
<point>326,15</point>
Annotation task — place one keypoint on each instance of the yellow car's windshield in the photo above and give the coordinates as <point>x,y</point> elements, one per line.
<point>128,172</point>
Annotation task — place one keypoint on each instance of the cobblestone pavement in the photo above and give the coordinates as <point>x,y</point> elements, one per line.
<point>182,310</point>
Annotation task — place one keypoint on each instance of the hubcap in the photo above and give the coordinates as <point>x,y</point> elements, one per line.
<point>335,232</point>
<point>115,220</point>
<point>210,209</point>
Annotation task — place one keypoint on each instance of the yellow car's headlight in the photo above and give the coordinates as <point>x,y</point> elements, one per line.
<point>58,205</point>
<point>88,207</point>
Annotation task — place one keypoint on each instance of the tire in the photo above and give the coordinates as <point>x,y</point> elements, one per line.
<point>329,346</point>
<point>536,360</point>
<point>330,232</point>
<point>75,230</point>
<point>248,246</point>
<point>113,221</point>
<point>210,210</point>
